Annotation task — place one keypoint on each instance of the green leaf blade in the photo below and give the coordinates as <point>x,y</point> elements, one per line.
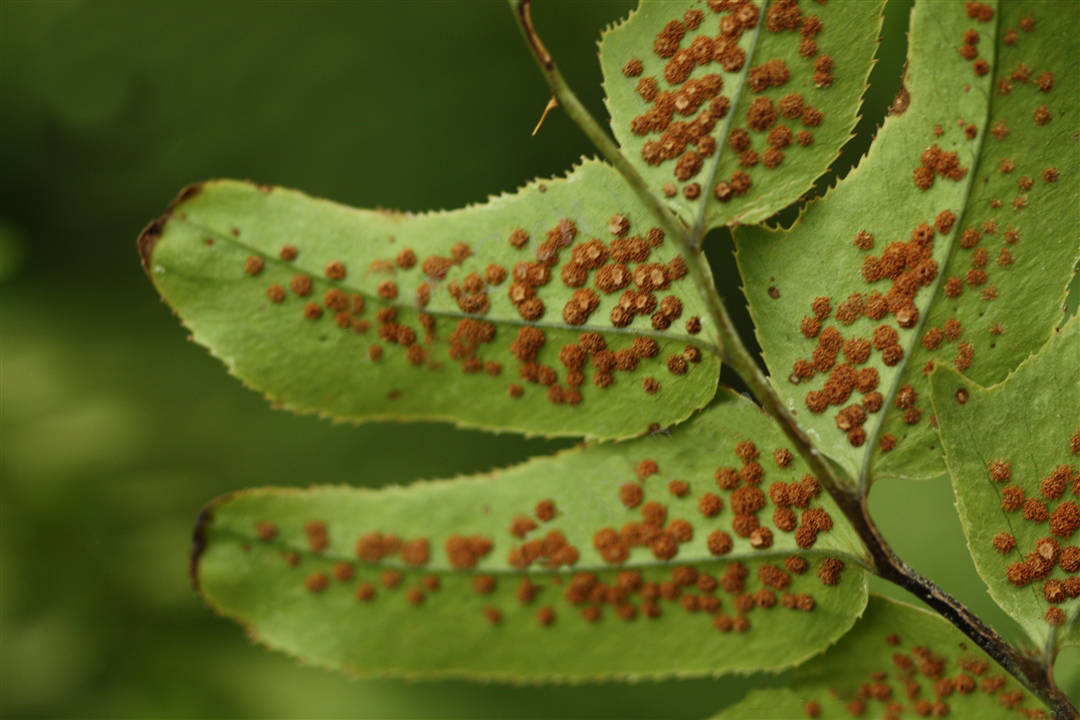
<point>1018,436</point>
<point>1014,311</point>
<point>847,36</point>
<point>998,318</point>
<point>197,258</point>
<point>886,653</point>
<point>450,632</point>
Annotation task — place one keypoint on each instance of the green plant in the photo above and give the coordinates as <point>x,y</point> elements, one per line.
<point>713,537</point>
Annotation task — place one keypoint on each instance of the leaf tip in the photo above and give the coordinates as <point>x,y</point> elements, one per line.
<point>191,191</point>
<point>151,234</point>
<point>148,239</point>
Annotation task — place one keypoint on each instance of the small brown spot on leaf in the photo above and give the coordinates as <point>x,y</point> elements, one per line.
<point>545,510</point>
<point>316,582</point>
<point>275,293</point>
<point>335,270</point>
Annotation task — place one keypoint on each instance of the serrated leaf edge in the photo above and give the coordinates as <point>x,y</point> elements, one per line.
<point>865,476</point>
<point>1053,637</point>
<point>702,225</point>
<point>153,232</point>
<point>356,673</point>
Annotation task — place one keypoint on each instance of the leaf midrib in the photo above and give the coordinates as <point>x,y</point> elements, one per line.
<point>242,538</point>
<point>700,226</point>
<point>450,314</point>
<point>1022,618</point>
<point>866,468</point>
<point>1017,553</point>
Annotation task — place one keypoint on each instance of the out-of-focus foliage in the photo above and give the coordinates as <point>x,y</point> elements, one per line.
<point>114,429</point>
<point>12,251</point>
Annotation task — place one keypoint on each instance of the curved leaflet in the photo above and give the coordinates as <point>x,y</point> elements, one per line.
<point>1013,452</point>
<point>732,110</point>
<point>642,559</point>
<point>898,661</point>
<point>948,244</point>
<point>559,310</point>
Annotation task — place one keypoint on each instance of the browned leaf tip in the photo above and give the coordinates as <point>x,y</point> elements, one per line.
<point>148,238</point>
<point>150,235</point>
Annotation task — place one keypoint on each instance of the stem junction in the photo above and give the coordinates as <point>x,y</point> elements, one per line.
<point>1034,672</point>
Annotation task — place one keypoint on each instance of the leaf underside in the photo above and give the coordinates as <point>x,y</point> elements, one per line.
<point>898,661</point>
<point>628,610</point>
<point>881,279</point>
<point>696,105</point>
<point>1013,451</point>
<point>396,316</point>
<point>561,310</point>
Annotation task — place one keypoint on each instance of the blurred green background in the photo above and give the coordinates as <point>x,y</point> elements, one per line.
<point>114,430</point>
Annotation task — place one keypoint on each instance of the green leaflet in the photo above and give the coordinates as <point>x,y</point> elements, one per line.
<point>1013,451</point>
<point>375,347</point>
<point>1012,313</point>
<point>689,136</point>
<point>1008,250</point>
<point>476,624</point>
<point>927,668</point>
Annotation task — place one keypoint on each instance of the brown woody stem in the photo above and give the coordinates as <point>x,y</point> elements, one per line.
<point>1034,673</point>
<point>587,123</point>
<point>569,102</point>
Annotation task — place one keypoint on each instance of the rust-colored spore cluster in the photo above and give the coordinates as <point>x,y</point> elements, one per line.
<point>1055,505</point>
<point>684,114</point>
<point>908,267</point>
<point>465,552</point>
<point>318,539</point>
<point>591,267</point>
<point>374,547</point>
<point>615,266</point>
<point>935,162</point>
<point>662,535</point>
<point>969,50</point>
<point>921,682</point>
<point>977,279</point>
<point>687,588</point>
<point>391,566</point>
<point>551,551</point>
